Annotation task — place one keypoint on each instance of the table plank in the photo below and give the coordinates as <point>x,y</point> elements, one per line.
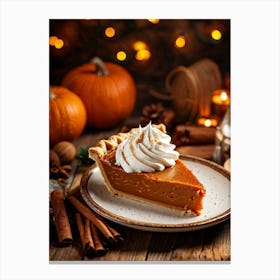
<point>204,245</point>
<point>134,247</point>
<point>162,246</point>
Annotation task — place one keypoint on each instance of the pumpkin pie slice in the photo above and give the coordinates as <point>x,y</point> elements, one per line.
<point>175,187</point>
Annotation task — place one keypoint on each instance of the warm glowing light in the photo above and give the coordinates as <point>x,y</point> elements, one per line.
<point>216,34</point>
<point>143,55</point>
<point>58,43</point>
<point>110,32</point>
<point>180,42</point>
<point>224,96</point>
<point>52,40</point>
<point>153,20</point>
<point>121,55</point>
<point>221,97</point>
<point>140,45</point>
<point>207,122</point>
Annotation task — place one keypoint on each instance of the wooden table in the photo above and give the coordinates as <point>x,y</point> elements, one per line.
<point>211,244</point>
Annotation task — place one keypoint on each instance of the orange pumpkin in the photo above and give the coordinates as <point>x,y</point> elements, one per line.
<point>67,115</point>
<point>107,90</point>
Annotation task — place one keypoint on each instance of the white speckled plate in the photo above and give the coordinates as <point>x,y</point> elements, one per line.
<point>215,179</point>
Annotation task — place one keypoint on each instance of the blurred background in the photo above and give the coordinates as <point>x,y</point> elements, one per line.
<point>147,48</point>
<point>168,43</point>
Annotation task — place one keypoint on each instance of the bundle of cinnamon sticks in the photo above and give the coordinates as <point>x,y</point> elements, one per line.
<point>96,235</point>
<point>193,135</point>
<point>194,140</point>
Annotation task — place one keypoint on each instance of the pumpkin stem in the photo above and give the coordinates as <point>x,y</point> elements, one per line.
<point>101,69</point>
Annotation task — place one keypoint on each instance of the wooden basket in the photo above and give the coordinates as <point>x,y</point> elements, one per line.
<point>190,89</point>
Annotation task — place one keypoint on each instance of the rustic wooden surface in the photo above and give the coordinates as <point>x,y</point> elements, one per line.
<point>211,244</point>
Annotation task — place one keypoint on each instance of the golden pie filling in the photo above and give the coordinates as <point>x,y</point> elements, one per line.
<point>167,187</point>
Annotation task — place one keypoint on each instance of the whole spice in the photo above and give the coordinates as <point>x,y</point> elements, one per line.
<point>85,236</point>
<point>54,159</point>
<point>60,172</point>
<point>157,113</point>
<point>62,225</point>
<point>66,151</point>
<point>96,235</point>
<point>86,212</point>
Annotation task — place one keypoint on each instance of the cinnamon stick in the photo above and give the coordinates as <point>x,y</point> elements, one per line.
<point>85,235</point>
<point>89,245</point>
<point>193,135</point>
<point>62,225</point>
<point>81,227</point>
<point>87,213</point>
<point>63,184</point>
<point>115,233</point>
<point>201,135</point>
<point>202,151</point>
<point>99,248</point>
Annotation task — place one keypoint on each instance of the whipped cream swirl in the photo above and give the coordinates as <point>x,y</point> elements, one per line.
<point>147,150</point>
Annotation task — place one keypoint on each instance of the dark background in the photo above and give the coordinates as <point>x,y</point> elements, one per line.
<point>84,39</point>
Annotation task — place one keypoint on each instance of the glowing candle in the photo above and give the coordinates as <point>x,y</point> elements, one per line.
<point>207,121</point>
<point>221,97</point>
<point>220,102</point>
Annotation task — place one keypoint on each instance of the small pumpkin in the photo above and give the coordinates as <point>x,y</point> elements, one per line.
<point>107,90</point>
<point>67,115</point>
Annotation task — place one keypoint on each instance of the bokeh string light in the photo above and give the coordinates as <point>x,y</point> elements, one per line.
<point>110,32</point>
<point>59,43</point>
<point>180,41</point>
<point>210,32</point>
<point>52,40</point>
<point>139,45</point>
<point>154,20</point>
<point>56,42</point>
<point>143,55</point>
<point>136,43</point>
<point>121,55</point>
<point>142,51</point>
<point>216,34</point>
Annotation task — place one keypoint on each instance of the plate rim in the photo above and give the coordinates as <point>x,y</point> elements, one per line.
<point>156,226</point>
